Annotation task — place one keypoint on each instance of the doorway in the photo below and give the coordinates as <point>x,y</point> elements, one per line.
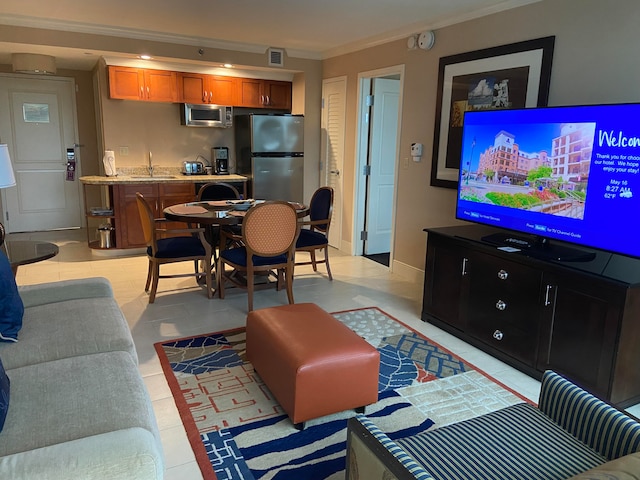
<point>380,94</point>
<point>334,94</point>
<point>38,123</point>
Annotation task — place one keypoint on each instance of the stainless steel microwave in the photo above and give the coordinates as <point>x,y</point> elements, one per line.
<point>206,115</point>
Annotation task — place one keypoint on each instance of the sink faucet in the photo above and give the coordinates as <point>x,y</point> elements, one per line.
<point>150,167</point>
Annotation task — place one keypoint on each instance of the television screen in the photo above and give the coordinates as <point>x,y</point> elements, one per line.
<point>563,173</point>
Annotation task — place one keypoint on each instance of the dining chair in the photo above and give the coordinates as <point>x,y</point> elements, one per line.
<point>160,250</point>
<point>269,233</point>
<point>316,236</point>
<point>220,191</point>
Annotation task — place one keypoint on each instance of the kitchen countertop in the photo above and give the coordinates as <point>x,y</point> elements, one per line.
<point>133,179</point>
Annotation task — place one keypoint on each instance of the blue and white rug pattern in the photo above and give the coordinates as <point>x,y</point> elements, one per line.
<point>246,434</point>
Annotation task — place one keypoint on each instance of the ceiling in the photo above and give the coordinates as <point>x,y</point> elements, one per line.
<point>304,28</point>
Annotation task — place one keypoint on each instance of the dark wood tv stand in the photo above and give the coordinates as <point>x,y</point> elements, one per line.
<point>581,319</point>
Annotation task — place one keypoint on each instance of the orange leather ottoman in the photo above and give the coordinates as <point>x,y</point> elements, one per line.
<point>313,364</point>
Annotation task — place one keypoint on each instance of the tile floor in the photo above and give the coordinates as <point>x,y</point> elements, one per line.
<point>181,310</point>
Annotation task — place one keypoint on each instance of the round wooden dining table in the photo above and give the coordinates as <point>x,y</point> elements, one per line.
<point>216,212</point>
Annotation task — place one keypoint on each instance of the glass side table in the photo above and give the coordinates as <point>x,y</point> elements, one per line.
<point>23,252</point>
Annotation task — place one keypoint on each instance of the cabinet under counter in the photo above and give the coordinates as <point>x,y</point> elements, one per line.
<point>120,195</point>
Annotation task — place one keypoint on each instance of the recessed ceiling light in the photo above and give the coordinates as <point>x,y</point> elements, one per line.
<point>145,57</point>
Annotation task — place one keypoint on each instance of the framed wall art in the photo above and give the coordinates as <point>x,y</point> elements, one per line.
<point>509,76</point>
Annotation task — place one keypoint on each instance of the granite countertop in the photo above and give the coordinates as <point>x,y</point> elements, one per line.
<point>159,178</point>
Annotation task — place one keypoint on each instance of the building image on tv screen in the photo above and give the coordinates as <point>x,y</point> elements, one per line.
<point>540,168</point>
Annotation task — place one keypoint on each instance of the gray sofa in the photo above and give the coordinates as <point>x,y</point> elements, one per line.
<point>78,405</point>
<point>571,434</point>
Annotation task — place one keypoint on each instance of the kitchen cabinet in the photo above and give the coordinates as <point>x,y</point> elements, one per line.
<point>199,88</point>
<point>258,93</point>
<point>128,229</point>
<point>127,83</point>
<point>581,319</point>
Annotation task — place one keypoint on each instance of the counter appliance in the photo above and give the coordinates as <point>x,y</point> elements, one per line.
<point>207,115</point>
<point>220,156</point>
<point>193,168</point>
<point>270,151</point>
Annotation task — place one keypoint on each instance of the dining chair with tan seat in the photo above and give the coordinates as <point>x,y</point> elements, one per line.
<point>314,234</point>
<point>170,246</point>
<point>269,233</point>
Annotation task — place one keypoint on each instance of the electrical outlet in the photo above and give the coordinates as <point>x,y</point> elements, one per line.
<point>124,151</point>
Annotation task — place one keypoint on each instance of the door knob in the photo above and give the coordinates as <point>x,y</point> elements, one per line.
<point>498,335</point>
<point>500,305</point>
<point>502,275</point>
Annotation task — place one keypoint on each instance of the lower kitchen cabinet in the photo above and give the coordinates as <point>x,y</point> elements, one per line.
<point>581,319</point>
<point>128,229</point>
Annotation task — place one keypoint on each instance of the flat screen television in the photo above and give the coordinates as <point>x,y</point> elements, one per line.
<point>554,173</point>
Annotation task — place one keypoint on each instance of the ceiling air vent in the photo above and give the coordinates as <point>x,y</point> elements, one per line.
<point>276,57</point>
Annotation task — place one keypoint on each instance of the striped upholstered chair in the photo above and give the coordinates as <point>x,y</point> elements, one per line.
<point>569,433</point>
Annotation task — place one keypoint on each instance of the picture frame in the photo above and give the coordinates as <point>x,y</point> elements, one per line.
<point>516,75</point>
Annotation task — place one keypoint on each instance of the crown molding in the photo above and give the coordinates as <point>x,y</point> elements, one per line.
<point>94,29</point>
<point>412,29</point>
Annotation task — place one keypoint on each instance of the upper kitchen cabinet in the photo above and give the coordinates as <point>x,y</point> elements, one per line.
<point>127,83</point>
<point>264,93</point>
<point>200,88</point>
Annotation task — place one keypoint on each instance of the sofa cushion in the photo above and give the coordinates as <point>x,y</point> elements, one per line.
<point>69,328</point>
<point>12,307</point>
<point>119,455</point>
<point>518,441</point>
<point>4,395</point>
<point>73,399</point>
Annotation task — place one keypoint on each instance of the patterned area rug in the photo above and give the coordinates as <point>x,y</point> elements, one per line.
<point>238,430</point>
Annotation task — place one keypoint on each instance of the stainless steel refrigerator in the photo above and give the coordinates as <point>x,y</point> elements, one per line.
<point>270,151</point>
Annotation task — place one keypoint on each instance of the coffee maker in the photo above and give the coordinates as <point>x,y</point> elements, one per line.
<point>220,157</point>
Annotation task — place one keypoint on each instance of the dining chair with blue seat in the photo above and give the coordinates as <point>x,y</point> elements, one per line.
<point>170,246</point>
<point>269,233</point>
<point>220,191</point>
<point>316,236</point>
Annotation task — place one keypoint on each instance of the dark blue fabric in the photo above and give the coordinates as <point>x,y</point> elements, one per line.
<point>320,205</point>
<point>177,247</point>
<point>12,307</point>
<point>309,238</point>
<point>239,257</point>
<point>4,395</point>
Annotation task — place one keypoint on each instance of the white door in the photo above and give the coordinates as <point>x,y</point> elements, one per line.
<point>382,161</point>
<point>38,123</point>
<point>334,92</point>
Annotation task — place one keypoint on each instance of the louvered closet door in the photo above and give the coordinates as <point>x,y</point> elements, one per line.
<point>334,93</point>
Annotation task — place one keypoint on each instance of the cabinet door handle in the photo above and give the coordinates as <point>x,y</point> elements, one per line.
<point>210,95</point>
<point>464,266</point>
<point>547,296</point>
<point>204,96</point>
<point>503,275</point>
<point>500,305</point>
<point>498,335</point>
